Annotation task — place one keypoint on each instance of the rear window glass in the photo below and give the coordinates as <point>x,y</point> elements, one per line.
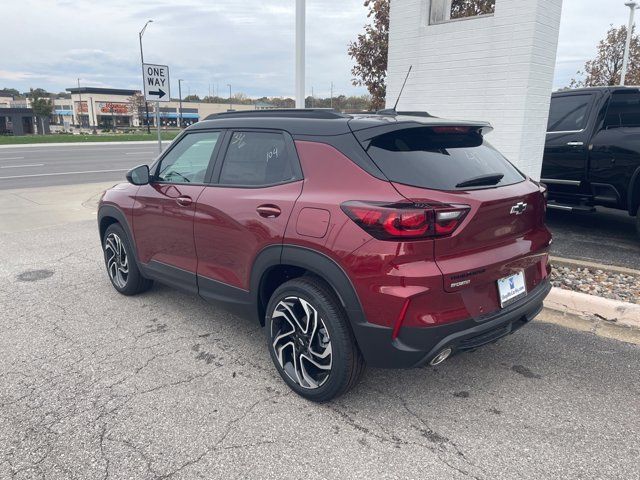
<point>624,110</point>
<point>441,161</point>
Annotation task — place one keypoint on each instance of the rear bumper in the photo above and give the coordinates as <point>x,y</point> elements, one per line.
<point>416,346</point>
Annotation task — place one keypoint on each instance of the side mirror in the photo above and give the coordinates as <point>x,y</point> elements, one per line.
<point>139,175</point>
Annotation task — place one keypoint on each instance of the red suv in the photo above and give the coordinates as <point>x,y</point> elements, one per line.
<point>394,240</point>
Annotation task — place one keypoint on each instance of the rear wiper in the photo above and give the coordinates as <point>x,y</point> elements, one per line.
<point>491,179</point>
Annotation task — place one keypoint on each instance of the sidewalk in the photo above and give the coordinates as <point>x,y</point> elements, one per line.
<point>31,208</point>
<point>85,144</point>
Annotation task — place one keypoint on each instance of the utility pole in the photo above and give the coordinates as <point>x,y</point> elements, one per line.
<point>230,104</point>
<point>331,94</point>
<point>313,99</point>
<point>300,51</point>
<point>146,104</point>
<point>113,117</point>
<point>158,125</point>
<point>92,119</point>
<point>180,95</point>
<point>625,61</point>
<point>80,106</point>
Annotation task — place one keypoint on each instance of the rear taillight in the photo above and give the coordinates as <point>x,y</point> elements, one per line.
<point>405,220</point>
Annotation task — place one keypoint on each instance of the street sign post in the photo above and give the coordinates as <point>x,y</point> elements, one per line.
<point>156,83</point>
<point>156,89</point>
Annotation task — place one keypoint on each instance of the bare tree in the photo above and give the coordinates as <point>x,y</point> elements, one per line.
<point>136,105</point>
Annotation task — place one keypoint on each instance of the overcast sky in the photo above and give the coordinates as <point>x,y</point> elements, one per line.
<point>248,43</point>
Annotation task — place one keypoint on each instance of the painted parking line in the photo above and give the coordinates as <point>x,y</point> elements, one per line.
<point>11,158</point>
<point>28,165</point>
<point>64,173</point>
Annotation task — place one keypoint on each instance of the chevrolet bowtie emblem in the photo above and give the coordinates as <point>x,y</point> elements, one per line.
<point>518,208</point>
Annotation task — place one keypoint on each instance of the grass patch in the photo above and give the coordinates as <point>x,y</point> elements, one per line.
<point>58,138</point>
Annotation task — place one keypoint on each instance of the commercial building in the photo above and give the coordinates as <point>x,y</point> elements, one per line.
<point>17,117</point>
<point>479,60</point>
<point>92,107</point>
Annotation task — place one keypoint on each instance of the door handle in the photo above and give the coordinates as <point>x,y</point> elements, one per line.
<point>269,211</point>
<point>184,201</point>
<point>575,144</point>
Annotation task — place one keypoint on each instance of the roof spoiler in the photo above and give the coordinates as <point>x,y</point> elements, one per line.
<point>367,134</point>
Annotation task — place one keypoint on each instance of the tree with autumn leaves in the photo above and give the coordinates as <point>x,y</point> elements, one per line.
<point>370,52</point>
<point>606,68</point>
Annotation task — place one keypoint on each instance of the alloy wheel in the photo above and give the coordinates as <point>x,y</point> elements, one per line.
<point>117,260</point>
<point>301,343</point>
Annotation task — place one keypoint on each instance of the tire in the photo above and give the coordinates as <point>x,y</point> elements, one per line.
<point>122,268</point>
<point>638,221</point>
<point>329,362</point>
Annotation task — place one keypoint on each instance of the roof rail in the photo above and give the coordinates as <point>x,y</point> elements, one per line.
<point>316,113</point>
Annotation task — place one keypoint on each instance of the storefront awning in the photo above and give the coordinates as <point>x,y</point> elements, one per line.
<point>175,115</point>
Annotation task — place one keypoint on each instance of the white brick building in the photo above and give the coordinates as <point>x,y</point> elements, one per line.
<point>497,66</point>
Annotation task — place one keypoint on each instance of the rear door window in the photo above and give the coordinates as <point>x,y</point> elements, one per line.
<point>624,110</point>
<point>438,159</point>
<point>258,159</point>
<point>568,113</point>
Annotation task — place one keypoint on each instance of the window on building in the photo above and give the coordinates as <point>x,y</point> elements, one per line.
<point>448,10</point>
<point>568,113</point>
<point>624,110</point>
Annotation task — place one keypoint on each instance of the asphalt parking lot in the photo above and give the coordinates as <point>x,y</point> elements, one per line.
<point>97,385</point>
<point>606,236</point>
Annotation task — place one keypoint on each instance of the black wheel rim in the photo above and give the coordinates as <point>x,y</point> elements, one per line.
<point>301,343</point>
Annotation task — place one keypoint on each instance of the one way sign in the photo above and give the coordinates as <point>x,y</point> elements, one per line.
<point>156,83</point>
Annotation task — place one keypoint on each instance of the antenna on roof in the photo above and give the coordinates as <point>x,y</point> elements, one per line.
<point>392,111</point>
<point>402,89</point>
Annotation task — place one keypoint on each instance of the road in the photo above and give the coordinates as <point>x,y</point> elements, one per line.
<point>43,165</point>
<point>94,384</point>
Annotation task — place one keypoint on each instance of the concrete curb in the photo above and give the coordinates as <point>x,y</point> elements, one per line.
<point>569,262</point>
<point>601,316</point>
<point>84,144</point>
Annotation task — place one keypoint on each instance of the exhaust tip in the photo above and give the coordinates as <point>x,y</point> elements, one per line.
<point>440,357</point>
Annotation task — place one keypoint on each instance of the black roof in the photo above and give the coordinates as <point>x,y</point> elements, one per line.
<point>612,88</point>
<point>103,91</point>
<point>323,122</point>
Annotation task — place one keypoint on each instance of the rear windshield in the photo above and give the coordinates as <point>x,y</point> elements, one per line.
<point>429,158</point>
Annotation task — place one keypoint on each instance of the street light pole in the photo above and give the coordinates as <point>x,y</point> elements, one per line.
<point>625,61</point>
<point>180,95</point>
<point>230,104</point>
<point>146,105</point>
<point>300,51</point>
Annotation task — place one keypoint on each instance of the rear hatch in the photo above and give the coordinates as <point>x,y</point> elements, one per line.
<point>502,233</point>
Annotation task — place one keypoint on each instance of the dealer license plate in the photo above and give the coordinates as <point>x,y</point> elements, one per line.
<point>511,288</point>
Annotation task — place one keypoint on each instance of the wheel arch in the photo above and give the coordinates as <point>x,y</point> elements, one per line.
<point>275,265</point>
<point>633,197</point>
<point>108,215</point>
